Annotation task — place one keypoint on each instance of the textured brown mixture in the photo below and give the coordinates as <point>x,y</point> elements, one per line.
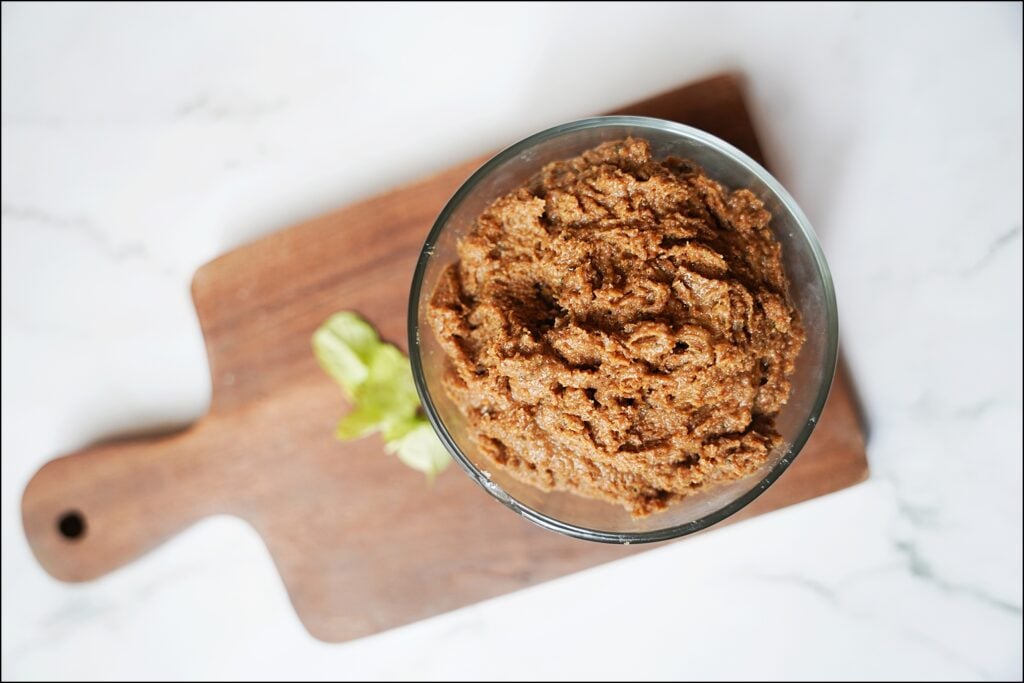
<point>620,328</point>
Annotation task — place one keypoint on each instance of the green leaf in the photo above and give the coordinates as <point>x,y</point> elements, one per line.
<point>421,450</point>
<point>344,346</point>
<point>392,430</point>
<point>378,380</point>
<point>389,389</point>
<point>357,424</point>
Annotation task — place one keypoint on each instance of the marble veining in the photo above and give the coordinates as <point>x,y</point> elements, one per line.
<point>83,226</point>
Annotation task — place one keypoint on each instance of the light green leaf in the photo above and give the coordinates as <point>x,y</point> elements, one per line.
<point>358,423</point>
<point>389,388</point>
<point>421,450</point>
<point>392,430</point>
<point>378,380</point>
<point>344,346</point>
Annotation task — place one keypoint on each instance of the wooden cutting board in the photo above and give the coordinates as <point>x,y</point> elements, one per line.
<point>362,543</point>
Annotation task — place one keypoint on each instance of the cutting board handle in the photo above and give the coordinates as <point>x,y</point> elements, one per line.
<point>94,510</point>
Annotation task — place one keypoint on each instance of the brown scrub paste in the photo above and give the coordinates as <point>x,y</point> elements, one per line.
<point>620,328</point>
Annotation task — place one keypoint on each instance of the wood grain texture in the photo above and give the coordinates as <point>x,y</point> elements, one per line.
<point>361,543</point>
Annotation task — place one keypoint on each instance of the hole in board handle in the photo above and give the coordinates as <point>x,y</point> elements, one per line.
<point>71,525</point>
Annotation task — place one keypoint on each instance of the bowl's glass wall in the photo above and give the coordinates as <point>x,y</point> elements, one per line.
<point>811,293</point>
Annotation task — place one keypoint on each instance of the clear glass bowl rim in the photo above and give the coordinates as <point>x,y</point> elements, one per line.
<point>535,516</point>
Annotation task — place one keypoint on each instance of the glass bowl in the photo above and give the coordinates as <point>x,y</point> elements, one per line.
<point>812,294</point>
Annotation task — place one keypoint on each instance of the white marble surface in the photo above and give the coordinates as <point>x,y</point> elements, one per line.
<point>140,141</point>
